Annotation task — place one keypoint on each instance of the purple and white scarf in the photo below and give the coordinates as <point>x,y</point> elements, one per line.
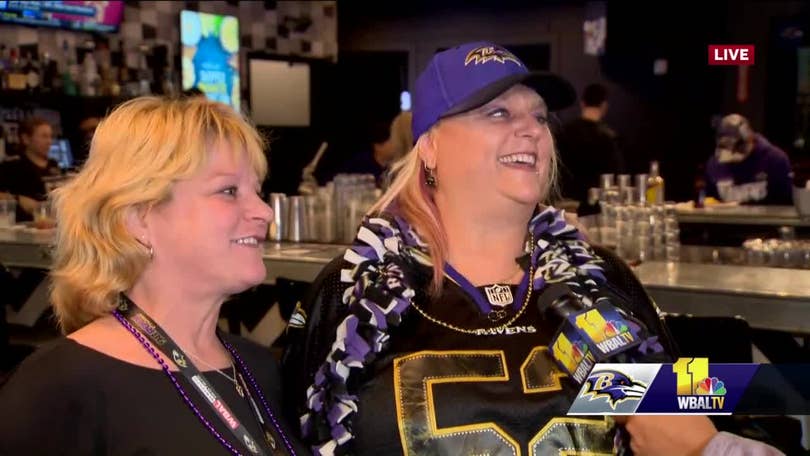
<point>378,295</point>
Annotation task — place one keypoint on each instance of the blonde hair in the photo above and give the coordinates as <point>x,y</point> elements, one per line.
<point>137,153</point>
<point>415,203</point>
<point>401,134</point>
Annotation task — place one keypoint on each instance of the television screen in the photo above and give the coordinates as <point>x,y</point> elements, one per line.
<point>211,55</point>
<point>61,152</point>
<point>90,16</point>
<point>279,93</point>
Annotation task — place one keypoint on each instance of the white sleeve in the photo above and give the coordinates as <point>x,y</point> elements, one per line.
<point>733,445</point>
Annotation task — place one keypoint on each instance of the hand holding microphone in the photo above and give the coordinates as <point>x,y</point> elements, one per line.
<point>588,335</point>
<point>668,435</point>
<point>602,333</point>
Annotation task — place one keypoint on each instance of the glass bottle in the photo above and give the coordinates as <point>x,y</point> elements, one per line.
<point>68,80</point>
<point>655,185</point>
<point>32,74</point>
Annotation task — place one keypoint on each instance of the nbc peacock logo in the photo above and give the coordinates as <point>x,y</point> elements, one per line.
<point>711,387</point>
<point>614,328</point>
<point>696,389</point>
<point>609,334</point>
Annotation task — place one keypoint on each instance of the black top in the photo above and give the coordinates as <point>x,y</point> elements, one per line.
<point>20,176</point>
<point>587,149</point>
<point>69,399</point>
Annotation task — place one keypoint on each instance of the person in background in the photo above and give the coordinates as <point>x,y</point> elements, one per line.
<point>193,92</point>
<point>401,142</point>
<point>401,135</point>
<point>87,126</point>
<point>746,167</point>
<point>588,147</point>
<point>23,176</point>
<point>373,157</point>
<point>160,226</point>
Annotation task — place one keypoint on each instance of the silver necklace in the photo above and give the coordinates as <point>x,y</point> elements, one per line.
<point>233,380</point>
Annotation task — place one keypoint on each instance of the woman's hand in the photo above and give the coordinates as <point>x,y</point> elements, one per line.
<point>668,435</point>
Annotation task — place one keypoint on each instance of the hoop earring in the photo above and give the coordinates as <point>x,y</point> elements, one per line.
<point>430,178</point>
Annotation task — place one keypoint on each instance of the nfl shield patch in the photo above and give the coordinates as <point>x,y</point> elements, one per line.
<point>499,295</point>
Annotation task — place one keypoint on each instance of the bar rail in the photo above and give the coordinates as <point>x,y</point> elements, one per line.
<point>768,298</point>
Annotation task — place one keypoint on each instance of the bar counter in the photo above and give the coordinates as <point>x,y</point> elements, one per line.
<point>743,215</point>
<point>768,298</point>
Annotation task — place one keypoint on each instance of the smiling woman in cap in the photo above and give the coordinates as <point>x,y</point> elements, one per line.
<point>427,336</point>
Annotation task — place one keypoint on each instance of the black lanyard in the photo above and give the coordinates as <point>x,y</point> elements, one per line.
<point>160,340</point>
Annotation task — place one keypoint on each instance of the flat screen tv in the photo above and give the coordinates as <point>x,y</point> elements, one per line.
<point>279,92</point>
<point>87,16</point>
<point>210,55</point>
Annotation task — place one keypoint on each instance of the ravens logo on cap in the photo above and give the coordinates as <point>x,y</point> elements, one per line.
<point>486,54</point>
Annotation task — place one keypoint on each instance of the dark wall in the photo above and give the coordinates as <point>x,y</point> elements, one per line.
<point>670,115</point>
<point>758,23</point>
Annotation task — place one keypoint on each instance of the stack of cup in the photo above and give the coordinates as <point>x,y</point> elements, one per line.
<point>296,223</point>
<point>672,233</point>
<point>8,212</point>
<point>277,230</point>
<point>608,209</point>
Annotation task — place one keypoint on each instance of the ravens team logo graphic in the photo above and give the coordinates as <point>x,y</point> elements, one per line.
<point>486,54</point>
<point>298,319</point>
<point>614,386</point>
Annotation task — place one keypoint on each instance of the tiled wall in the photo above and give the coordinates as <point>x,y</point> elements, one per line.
<point>264,26</point>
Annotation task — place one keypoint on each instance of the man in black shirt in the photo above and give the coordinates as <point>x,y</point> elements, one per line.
<point>23,176</point>
<point>588,147</point>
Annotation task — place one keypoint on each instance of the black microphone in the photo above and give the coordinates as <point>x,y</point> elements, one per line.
<point>586,335</point>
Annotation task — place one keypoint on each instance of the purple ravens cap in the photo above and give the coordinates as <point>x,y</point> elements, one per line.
<point>470,75</point>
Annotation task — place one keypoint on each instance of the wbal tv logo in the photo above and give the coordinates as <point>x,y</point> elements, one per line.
<point>696,390</point>
<point>608,335</point>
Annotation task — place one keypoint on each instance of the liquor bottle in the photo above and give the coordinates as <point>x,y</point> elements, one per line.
<point>655,185</point>
<point>90,79</point>
<point>68,81</point>
<point>144,74</point>
<point>700,187</point>
<point>32,74</point>
<point>16,77</point>
<point>50,74</point>
<point>4,66</point>
<point>2,145</point>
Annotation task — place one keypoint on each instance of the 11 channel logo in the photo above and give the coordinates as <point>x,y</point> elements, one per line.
<point>696,390</point>
<point>608,335</point>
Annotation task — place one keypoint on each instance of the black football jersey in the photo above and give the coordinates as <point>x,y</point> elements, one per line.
<point>441,391</point>
<point>455,379</point>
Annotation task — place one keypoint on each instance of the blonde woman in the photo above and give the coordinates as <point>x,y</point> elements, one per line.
<point>161,225</point>
<point>401,134</point>
<point>400,142</point>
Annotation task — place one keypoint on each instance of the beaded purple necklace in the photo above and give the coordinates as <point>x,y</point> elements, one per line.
<point>148,347</point>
